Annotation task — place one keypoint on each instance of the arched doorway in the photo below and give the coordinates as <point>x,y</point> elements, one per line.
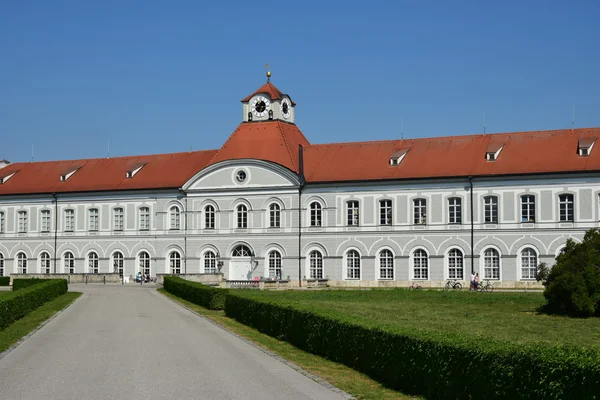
<point>240,266</point>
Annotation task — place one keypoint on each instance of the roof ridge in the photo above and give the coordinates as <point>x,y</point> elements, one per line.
<point>287,146</point>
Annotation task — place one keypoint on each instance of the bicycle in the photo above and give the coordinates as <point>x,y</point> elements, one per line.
<point>488,287</point>
<point>414,286</point>
<point>453,284</point>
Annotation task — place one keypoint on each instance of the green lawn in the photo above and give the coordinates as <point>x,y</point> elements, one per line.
<point>501,316</point>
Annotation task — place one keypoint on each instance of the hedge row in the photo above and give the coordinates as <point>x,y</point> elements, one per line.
<point>439,366</point>
<point>17,304</point>
<point>197,293</point>
<point>4,280</point>
<point>23,283</point>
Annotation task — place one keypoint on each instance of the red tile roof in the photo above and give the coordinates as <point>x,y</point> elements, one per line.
<point>160,171</point>
<point>271,90</point>
<point>458,156</point>
<point>274,141</point>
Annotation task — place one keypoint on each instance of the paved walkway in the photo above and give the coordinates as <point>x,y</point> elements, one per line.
<point>129,342</point>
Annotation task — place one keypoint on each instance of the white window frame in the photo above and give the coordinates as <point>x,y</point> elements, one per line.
<point>487,264</point>
<point>420,211</point>
<point>45,221</point>
<point>352,272</point>
<point>118,219</point>
<point>174,218</point>
<point>210,220</point>
<point>455,210</point>
<point>23,221</point>
<point>93,219</point>
<point>274,215</point>
<point>68,262</point>
<point>174,262</point>
<point>2,266</point>
<point>353,212</point>
<point>527,208</point>
<point>209,262</point>
<point>315,219</point>
<point>275,264</point>
<point>144,213</point>
<point>386,212</point>
<point>385,264</point>
<point>315,264</point>
<point>118,262</point>
<point>93,262</point>
<point>416,264</point>
<point>69,220</point>
<point>527,271</point>
<point>21,262</point>
<point>45,263</point>
<point>566,206</point>
<point>241,214</point>
<point>490,209</point>
<point>2,224</point>
<point>455,269</point>
<point>144,262</point>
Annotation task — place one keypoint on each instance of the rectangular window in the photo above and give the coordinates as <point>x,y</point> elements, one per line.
<point>1,222</point>
<point>22,218</point>
<point>118,219</point>
<point>353,213</point>
<point>490,209</point>
<point>45,221</point>
<point>93,222</point>
<point>420,211</point>
<point>454,210</point>
<point>566,207</point>
<point>144,218</point>
<point>385,212</point>
<point>528,208</point>
<point>69,220</point>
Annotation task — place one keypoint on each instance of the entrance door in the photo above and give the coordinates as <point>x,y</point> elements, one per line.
<point>240,270</point>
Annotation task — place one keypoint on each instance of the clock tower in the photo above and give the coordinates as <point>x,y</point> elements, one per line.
<point>268,104</point>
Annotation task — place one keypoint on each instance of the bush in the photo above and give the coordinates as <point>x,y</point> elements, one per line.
<point>436,365</point>
<point>197,293</point>
<point>573,284</point>
<point>4,280</point>
<point>19,284</point>
<point>17,304</point>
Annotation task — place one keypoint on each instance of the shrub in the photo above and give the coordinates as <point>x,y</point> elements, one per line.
<point>437,365</point>
<point>17,304</point>
<point>197,293</point>
<point>19,284</point>
<point>573,284</point>
<point>4,280</point>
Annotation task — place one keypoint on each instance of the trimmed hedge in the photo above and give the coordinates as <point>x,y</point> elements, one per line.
<point>437,365</point>
<point>197,293</point>
<point>23,283</point>
<point>17,304</point>
<point>4,280</point>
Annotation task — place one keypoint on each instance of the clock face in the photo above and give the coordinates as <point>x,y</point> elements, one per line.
<point>261,106</point>
<point>285,108</point>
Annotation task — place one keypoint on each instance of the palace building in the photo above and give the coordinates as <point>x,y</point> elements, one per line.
<point>270,204</point>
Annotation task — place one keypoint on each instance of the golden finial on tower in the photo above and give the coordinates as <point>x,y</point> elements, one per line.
<point>268,73</point>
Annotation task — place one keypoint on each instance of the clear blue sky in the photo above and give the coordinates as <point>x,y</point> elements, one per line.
<point>161,76</point>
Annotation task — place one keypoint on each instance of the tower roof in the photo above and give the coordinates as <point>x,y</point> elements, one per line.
<point>271,90</point>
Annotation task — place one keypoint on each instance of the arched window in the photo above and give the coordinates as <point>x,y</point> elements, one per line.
<point>491,264</point>
<point>386,264</point>
<point>352,265</point>
<point>455,264</point>
<point>144,263</point>
<point>275,265</point>
<point>93,262</point>
<point>420,264</point>
<point>209,217</point>
<point>118,263</point>
<point>210,263</point>
<point>175,215</point>
<point>316,264</point>
<point>242,216</point>
<point>241,251</point>
<point>1,264</point>
<point>274,215</point>
<point>315,214</point>
<point>21,263</point>
<point>175,262</point>
<point>528,263</point>
<point>69,263</point>
<point>45,262</point>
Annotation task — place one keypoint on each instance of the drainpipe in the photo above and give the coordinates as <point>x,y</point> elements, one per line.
<point>302,182</point>
<point>472,232</point>
<point>55,228</point>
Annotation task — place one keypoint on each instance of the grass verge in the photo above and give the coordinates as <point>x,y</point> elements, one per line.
<point>14,332</point>
<point>340,376</point>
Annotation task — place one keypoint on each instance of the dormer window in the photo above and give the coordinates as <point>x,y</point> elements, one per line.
<point>397,157</point>
<point>67,174</point>
<point>493,151</point>
<point>134,170</point>
<point>585,145</point>
<point>6,177</point>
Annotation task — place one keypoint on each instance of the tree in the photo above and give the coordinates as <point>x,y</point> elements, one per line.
<point>572,286</point>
